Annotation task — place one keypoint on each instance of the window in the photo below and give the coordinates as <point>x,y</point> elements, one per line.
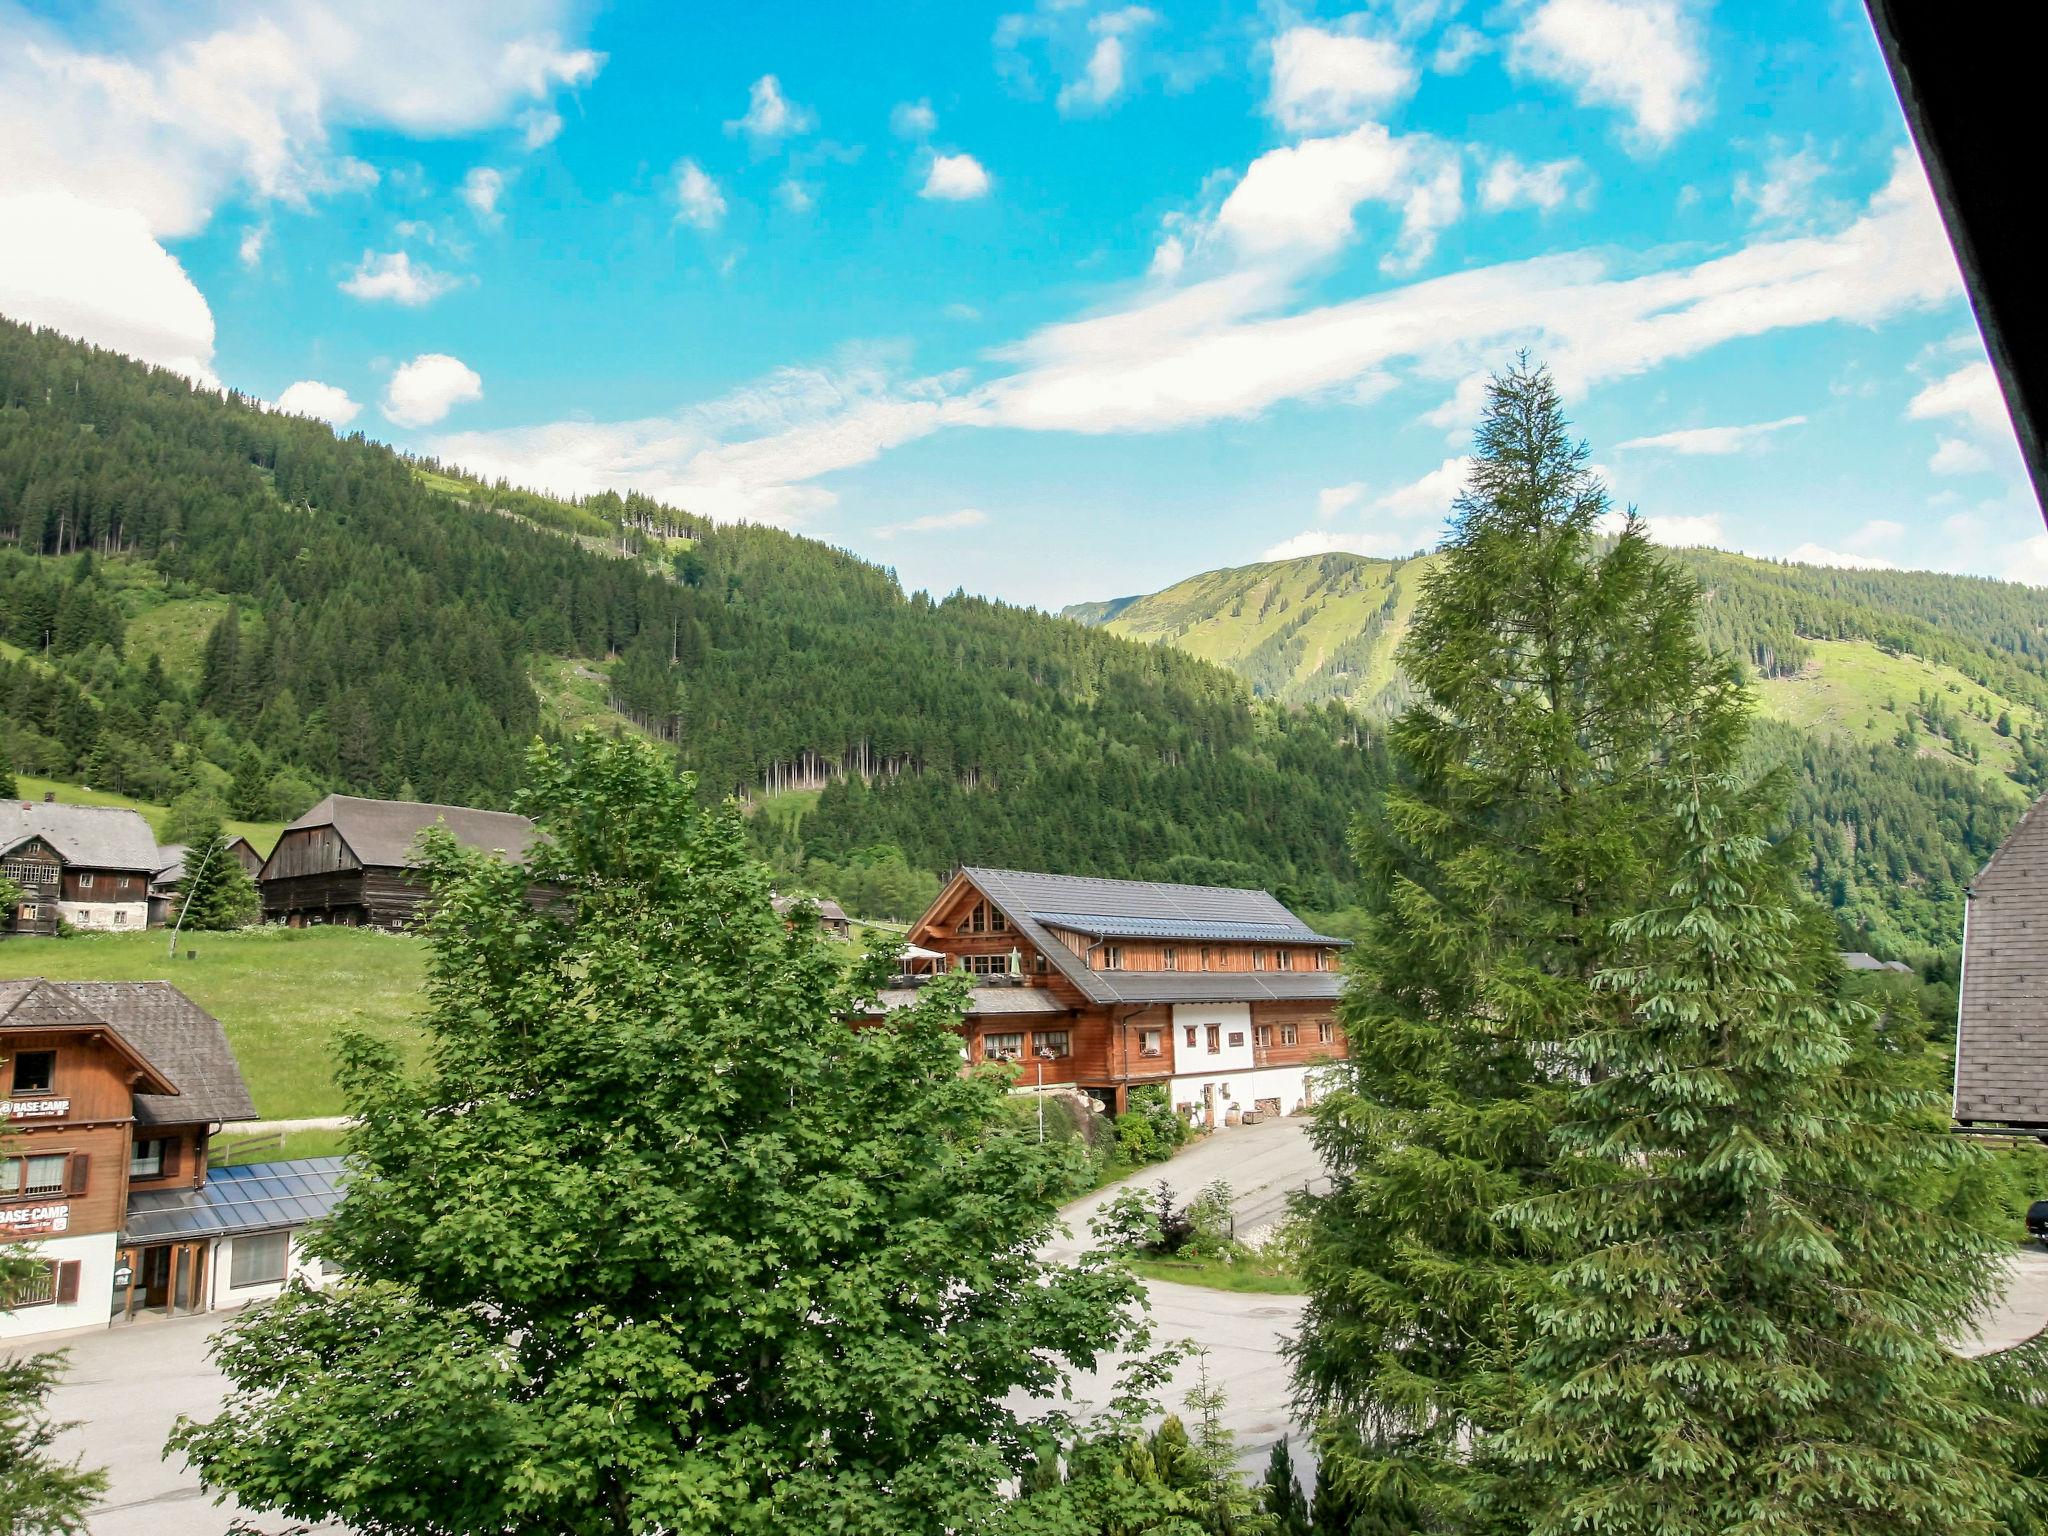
<point>1283,960</point>
<point>54,1283</point>
<point>1322,959</point>
<point>1001,1047</point>
<point>1289,1034</point>
<point>1190,1041</point>
<point>34,1071</point>
<point>1237,1039</point>
<point>147,1160</point>
<point>1169,959</point>
<point>43,1174</point>
<point>1208,958</point>
<point>1112,957</point>
<point>259,1260</point>
<point>1326,1032</point>
<point>1258,959</point>
<point>985,965</point>
<point>1037,961</point>
<point>1052,1042</point>
<point>997,923</point>
<point>1215,1038</point>
<point>1262,1034</point>
<point>1148,1042</point>
<point>85,882</point>
<point>120,917</point>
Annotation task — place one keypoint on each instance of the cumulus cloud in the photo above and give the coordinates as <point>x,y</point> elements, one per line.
<point>481,189</point>
<point>955,179</point>
<point>1302,199</point>
<point>1102,78</point>
<point>699,202</point>
<point>1710,441</point>
<point>1955,456</point>
<point>426,389</point>
<point>1681,531</point>
<point>1376,544</point>
<point>323,402</point>
<point>539,127</point>
<point>1508,183</point>
<point>1333,501</point>
<point>771,115</point>
<point>249,250</point>
<point>936,522</point>
<point>1969,395</point>
<point>97,273</point>
<point>1818,554</point>
<point>1643,57</point>
<point>1327,79</point>
<point>1786,193</point>
<point>394,277</point>
<point>913,120</point>
<point>1458,47</point>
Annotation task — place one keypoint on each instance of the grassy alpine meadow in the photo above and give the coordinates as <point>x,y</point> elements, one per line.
<point>281,993</point>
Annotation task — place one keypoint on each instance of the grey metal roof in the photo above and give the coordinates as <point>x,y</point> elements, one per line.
<point>181,1040</point>
<point>1857,960</point>
<point>87,836</point>
<point>382,832</point>
<point>255,1197</point>
<point>1176,910</point>
<point>1115,927</point>
<point>984,1001</point>
<point>170,864</point>
<point>2002,1018</point>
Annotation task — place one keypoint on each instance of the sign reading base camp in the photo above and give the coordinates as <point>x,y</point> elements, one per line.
<point>34,1220</point>
<point>37,1109</point>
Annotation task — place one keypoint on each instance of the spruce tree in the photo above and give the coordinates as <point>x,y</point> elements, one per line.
<point>1554,674</point>
<point>1745,1293</point>
<point>216,893</point>
<point>1285,1503</point>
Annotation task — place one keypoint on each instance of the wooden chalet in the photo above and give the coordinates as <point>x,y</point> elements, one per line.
<point>832,919</point>
<point>86,865</point>
<point>112,1094</point>
<point>2002,1015</point>
<point>1224,996</point>
<point>356,862</point>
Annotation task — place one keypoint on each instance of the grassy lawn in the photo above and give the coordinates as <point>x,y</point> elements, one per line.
<point>229,1149</point>
<point>282,993</point>
<point>1248,1274</point>
<point>262,835</point>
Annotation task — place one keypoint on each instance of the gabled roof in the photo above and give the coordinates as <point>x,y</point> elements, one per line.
<point>2002,1016</point>
<point>382,832</point>
<point>1035,903</point>
<point>170,864</point>
<point>1857,960</point>
<point>253,1197</point>
<point>87,836</point>
<point>34,1003</point>
<point>181,1043</point>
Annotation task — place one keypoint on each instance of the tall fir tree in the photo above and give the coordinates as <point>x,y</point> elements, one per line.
<point>1286,1506</point>
<point>1555,675</point>
<point>1745,1293</point>
<point>216,893</point>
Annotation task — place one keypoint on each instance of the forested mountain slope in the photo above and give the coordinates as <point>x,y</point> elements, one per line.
<point>1910,705</point>
<point>194,589</point>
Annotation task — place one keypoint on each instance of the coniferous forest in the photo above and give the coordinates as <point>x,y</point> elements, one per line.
<point>197,590</point>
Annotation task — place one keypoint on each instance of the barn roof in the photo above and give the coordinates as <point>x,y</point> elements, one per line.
<point>382,832</point>
<point>1035,903</point>
<point>87,836</point>
<point>2002,1017</point>
<point>181,1040</point>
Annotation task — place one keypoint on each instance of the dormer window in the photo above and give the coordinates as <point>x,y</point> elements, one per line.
<point>1169,959</point>
<point>1112,957</point>
<point>34,1072</point>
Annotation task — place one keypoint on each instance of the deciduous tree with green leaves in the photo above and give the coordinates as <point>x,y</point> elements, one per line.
<point>661,1240</point>
<point>1555,672</point>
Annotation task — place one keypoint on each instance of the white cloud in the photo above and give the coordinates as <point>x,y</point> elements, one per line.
<point>426,389</point>
<point>1324,79</point>
<point>1377,544</point>
<point>1301,200</point>
<point>1231,346</point>
<point>796,196</point>
<point>250,248</point>
<point>1459,46</point>
<point>1816,554</point>
<point>1333,501</point>
<point>393,276</point>
<point>323,402</point>
<point>539,127</point>
<point>1429,496</point>
<point>96,272</point>
<point>698,200</point>
<point>1954,456</point>
<point>1509,183</point>
<point>937,522</point>
<point>1682,531</point>
<point>1643,57</point>
<point>1713,441</point>
<point>1786,193</point>
<point>481,189</point>
<point>1100,81</point>
<point>770,114</point>
<point>913,120</point>
<point>955,178</point>
<point>1970,395</point>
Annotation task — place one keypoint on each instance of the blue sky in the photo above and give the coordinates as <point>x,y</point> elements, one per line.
<point>1050,303</point>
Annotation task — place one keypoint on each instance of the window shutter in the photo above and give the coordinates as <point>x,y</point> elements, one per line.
<point>81,1167</point>
<point>171,1150</point>
<point>67,1282</point>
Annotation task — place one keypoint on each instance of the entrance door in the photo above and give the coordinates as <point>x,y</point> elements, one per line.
<point>156,1277</point>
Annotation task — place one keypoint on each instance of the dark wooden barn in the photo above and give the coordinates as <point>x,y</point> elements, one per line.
<point>356,862</point>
